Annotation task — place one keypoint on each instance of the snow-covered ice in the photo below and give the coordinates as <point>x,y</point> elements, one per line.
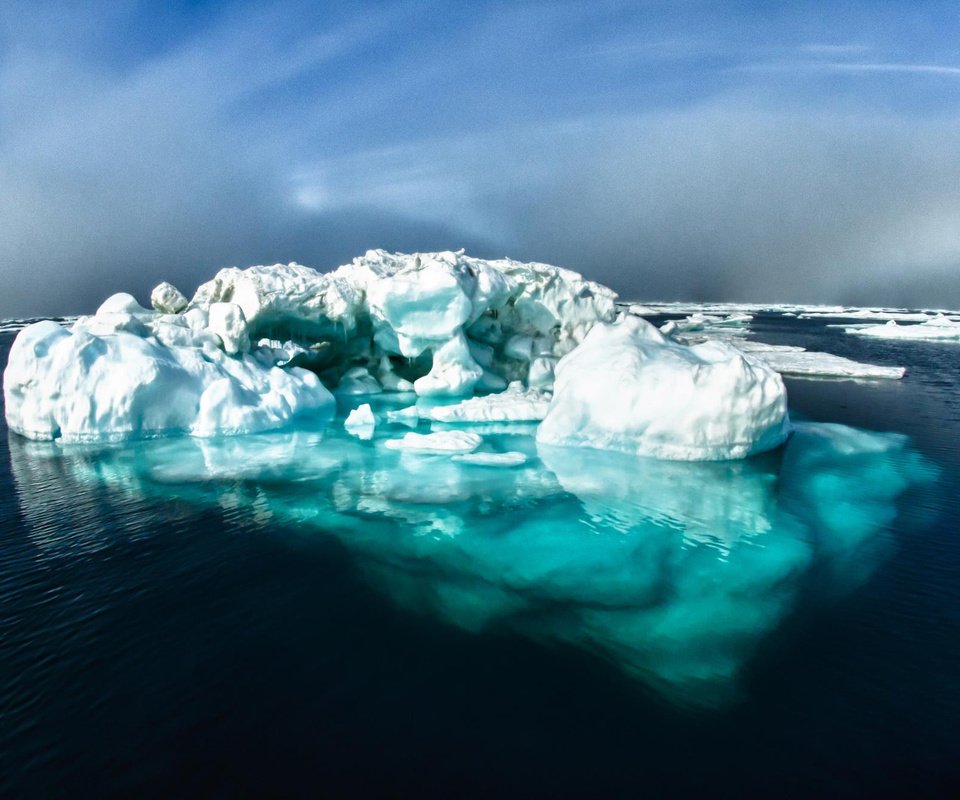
<point>939,328</point>
<point>441,321</point>
<point>112,376</point>
<point>628,388</point>
<point>442,324</point>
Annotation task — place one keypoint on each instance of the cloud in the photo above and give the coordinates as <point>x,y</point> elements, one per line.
<point>708,202</point>
<point>641,151</point>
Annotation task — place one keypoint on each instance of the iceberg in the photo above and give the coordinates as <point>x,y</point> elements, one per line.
<point>629,388</point>
<point>254,348</point>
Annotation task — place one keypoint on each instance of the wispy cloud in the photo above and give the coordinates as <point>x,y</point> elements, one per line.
<point>893,67</point>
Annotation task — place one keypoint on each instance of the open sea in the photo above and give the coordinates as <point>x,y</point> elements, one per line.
<point>306,614</point>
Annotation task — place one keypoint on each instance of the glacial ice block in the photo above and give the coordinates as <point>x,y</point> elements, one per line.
<point>112,377</point>
<point>628,388</point>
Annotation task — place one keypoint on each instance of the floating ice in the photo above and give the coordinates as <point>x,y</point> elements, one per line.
<point>809,364</point>
<point>872,314</point>
<point>438,443</point>
<point>705,322</point>
<point>628,388</point>
<point>797,361</point>
<point>939,328</point>
<point>405,416</point>
<point>361,422</point>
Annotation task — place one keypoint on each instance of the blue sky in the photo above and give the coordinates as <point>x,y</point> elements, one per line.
<point>804,152</point>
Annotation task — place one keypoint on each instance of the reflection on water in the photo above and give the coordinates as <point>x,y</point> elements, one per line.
<point>675,572</point>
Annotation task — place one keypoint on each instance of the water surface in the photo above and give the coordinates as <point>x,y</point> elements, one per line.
<point>306,613</point>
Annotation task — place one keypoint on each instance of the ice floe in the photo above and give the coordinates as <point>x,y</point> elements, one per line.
<point>939,328</point>
<point>812,364</point>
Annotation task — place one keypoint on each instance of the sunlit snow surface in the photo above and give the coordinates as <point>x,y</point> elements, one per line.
<point>674,572</point>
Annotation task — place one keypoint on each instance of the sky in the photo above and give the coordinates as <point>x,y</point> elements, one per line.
<point>755,152</point>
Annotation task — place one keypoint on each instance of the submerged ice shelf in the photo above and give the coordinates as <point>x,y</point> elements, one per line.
<point>675,572</point>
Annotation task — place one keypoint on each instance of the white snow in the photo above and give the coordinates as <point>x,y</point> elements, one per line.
<point>361,422</point>
<point>628,388</point>
<point>516,404</point>
<point>438,443</point>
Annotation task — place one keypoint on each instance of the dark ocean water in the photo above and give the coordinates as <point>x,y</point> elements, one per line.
<point>298,614</point>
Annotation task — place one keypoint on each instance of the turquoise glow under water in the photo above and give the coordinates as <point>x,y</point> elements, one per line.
<point>674,572</point>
